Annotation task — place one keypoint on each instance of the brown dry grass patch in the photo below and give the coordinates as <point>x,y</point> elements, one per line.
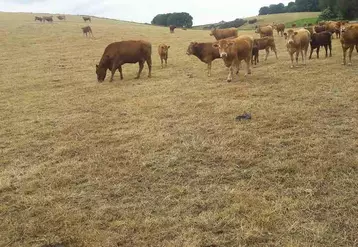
<point>161,161</point>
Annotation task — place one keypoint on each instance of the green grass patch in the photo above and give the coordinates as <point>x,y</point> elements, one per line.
<point>301,22</point>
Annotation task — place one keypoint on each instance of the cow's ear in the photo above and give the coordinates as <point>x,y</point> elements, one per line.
<point>295,33</point>
<point>216,45</point>
<point>168,46</point>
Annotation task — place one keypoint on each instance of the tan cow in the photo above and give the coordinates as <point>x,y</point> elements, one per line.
<point>332,27</point>
<point>163,53</point>
<point>349,40</point>
<point>264,31</point>
<point>233,51</point>
<point>118,53</point>
<point>298,42</point>
<point>280,28</point>
<point>266,43</point>
<point>205,52</point>
<point>224,33</point>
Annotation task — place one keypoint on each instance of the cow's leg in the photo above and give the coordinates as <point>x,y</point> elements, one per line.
<point>161,61</point>
<point>120,71</point>
<point>267,52</point>
<point>231,69</point>
<point>113,70</point>
<point>311,53</point>
<point>141,66</point>
<point>248,68</point>
<point>209,69</point>
<point>344,48</point>
<point>330,49</point>
<point>275,51</point>
<point>318,52</point>
<point>291,55</point>
<point>305,57</point>
<point>297,55</point>
<point>326,49</point>
<point>149,63</point>
<point>350,54</point>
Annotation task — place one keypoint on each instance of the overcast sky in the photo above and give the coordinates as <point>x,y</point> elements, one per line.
<point>203,11</point>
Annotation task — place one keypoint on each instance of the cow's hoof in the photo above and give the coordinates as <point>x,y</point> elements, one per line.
<point>228,80</point>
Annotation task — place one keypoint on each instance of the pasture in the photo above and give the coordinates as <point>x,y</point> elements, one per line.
<point>161,161</point>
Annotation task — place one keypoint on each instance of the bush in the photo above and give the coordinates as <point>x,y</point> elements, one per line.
<point>327,14</point>
<point>236,23</point>
<point>252,21</point>
<point>182,19</point>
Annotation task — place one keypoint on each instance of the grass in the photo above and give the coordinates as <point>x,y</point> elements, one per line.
<point>162,161</point>
<point>302,22</point>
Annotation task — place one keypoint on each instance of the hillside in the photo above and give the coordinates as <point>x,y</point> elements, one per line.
<point>163,161</point>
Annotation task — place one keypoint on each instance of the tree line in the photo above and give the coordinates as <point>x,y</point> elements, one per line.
<point>181,19</point>
<point>334,9</point>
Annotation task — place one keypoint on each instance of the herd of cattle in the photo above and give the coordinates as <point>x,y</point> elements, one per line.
<point>233,48</point>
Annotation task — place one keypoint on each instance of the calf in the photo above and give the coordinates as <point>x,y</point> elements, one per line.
<point>118,53</point>
<point>233,51</point>
<point>163,53</point>
<point>224,33</point>
<point>38,18</point>
<point>349,40</point>
<point>321,39</point>
<point>86,30</point>
<point>264,31</point>
<point>298,42</point>
<point>172,28</point>
<point>86,18</point>
<point>205,52</point>
<point>280,28</point>
<point>266,43</point>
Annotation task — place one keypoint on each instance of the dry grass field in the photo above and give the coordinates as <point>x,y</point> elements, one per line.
<point>161,161</point>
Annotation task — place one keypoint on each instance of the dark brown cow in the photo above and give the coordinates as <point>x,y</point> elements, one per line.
<point>86,18</point>
<point>264,31</point>
<point>118,53</point>
<point>266,43</point>
<point>47,18</point>
<point>255,53</point>
<point>224,33</point>
<point>37,18</point>
<point>298,42</point>
<point>172,28</point>
<point>86,30</point>
<point>61,17</point>
<point>280,28</point>
<point>321,39</point>
<point>349,40</point>
<point>205,52</point>
<point>163,53</point>
<point>319,29</point>
<point>233,51</point>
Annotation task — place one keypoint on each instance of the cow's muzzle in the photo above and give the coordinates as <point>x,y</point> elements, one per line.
<point>223,54</point>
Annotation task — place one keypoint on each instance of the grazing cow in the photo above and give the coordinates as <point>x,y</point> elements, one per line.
<point>205,52</point>
<point>172,28</point>
<point>38,18</point>
<point>309,29</point>
<point>294,25</point>
<point>233,51</point>
<point>255,53</point>
<point>319,29</point>
<point>298,42</point>
<point>266,43</point>
<point>47,18</point>
<point>280,28</point>
<point>61,17</point>
<point>321,39</point>
<point>264,31</point>
<point>118,53</point>
<point>163,53</point>
<point>224,33</point>
<point>86,30</point>
<point>349,40</point>
<point>86,18</point>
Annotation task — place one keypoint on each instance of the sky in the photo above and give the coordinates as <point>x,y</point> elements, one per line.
<point>203,11</point>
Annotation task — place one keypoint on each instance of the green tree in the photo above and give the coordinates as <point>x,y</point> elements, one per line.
<point>264,10</point>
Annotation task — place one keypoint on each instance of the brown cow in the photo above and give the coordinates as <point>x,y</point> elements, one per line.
<point>294,25</point>
<point>118,53</point>
<point>47,18</point>
<point>255,53</point>
<point>264,31</point>
<point>38,18</point>
<point>321,39</point>
<point>86,30</point>
<point>224,33</point>
<point>333,26</point>
<point>266,43</point>
<point>319,29</point>
<point>205,52</point>
<point>349,40</point>
<point>298,42</point>
<point>86,18</point>
<point>172,28</point>
<point>163,53</point>
<point>233,51</point>
<point>280,28</point>
<point>309,29</point>
<point>61,17</point>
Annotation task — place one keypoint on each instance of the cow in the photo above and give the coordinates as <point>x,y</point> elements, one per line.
<point>309,25</point>
<point>280,28</point>
<point>255,53</point>
<point>163,53</point>
<point>224,33</point>
<point>61,17</point>
<point>333,26</point>
<point>233,51</point>
<point>118,53</point>
<point>205,52</point>
<point>309,29</point>
<point>47,18</point>
<point>37,18</point>
<point>321,39</point>
<point>266,43</point>
<point>264,31</point>
<point>319,29</point>
<point>86,18</point>
<point>172,28</point>
<point>294,25</point>
<point>349,40</point>
<point>86,30</point>
<point>298,42</point>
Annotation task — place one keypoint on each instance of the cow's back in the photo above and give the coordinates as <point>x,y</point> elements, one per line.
<point>244,44</point>
<point>302,37</point>
<point>225,33</point>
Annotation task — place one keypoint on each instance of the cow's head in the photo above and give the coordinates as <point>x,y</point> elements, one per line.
<point>223,46</point>
<point>164,48</point>
<point>191,48</point>
<point>290,36</point>
<point>212,32</point>
<point>101,73</point>
<point>257,29</point>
